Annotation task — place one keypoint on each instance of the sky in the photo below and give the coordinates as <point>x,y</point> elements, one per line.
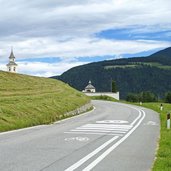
<point>50,37</point>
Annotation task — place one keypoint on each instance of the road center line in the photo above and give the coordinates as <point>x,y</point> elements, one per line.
<point>90,155</point>
<point>137,117</point>
<point>80,162</point>
<point>134,109</point>
<point>109,150</point>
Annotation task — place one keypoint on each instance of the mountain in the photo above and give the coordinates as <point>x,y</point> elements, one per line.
<point>27,100</point>
<point>151,73</point>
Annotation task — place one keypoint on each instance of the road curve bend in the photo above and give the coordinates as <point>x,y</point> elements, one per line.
<point>114,136</point>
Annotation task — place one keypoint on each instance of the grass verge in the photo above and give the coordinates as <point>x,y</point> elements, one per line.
<point>103,97</point>
<point>163,157</point>
<point>28,101</point>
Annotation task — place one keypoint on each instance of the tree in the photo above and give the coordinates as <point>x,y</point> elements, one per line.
<point>114,88</point>
<point>168,97</point>
<point>145,96</point>
<point>132,97</point>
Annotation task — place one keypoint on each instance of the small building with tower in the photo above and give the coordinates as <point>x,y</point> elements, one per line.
<point>89,88</point>
<point>12,66</point>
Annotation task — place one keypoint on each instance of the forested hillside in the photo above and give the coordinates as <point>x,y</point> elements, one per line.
<point>152,73</point>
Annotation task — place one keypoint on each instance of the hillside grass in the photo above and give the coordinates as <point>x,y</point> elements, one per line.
<point>120,66</point>
<point>138,65</point>
<point>28,101</point>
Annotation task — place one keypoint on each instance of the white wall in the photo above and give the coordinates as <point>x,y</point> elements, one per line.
<point>114,95</point>
<point>12,68</point>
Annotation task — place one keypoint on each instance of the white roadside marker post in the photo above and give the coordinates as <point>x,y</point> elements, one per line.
<point>161,107</point>
<point>168,121</point>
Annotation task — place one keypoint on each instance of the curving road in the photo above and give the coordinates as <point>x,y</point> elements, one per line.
<point>112,137</point>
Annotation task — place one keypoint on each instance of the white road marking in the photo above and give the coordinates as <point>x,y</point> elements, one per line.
<point>112,121</point>
<point>137,117</point>
<point>95,128</point>
<point>93,133</point>
<point>108,126</point>
<point>103,128</point>
<point>83,160</point>
<point>74,130</point>
<point>109,150</point>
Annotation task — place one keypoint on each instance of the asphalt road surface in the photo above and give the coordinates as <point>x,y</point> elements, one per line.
<point>112,137</point>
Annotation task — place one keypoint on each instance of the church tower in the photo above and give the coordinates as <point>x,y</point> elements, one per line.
<point>12,66</point>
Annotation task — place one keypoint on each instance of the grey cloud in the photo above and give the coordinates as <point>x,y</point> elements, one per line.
<point>63,20</point>
<point>60,19</point>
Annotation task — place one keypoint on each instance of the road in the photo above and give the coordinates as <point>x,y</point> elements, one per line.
<point>112,137</point>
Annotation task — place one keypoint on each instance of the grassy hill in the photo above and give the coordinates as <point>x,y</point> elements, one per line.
<point>152,73</point>
<point>27,101</point>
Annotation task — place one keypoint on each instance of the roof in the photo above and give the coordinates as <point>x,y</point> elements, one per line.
<point>12,55</point>
<point>11,63</point>
<point>89,86</point>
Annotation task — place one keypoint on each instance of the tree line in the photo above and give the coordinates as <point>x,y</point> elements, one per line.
<point>148,96</point>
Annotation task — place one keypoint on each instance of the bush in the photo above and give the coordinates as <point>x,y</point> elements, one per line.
<point>131,97</point>
<point>148,97</point>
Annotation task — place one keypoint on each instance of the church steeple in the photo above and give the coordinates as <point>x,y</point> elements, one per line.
<point>12,66</point>
<point>12,54</point>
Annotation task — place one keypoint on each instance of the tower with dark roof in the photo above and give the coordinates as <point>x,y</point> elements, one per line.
<point>12,66</point>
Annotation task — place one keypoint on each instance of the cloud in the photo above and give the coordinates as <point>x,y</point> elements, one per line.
<point>68,29</point>
<point>82,47</point>
<point>70,51</point>
<point>42,68</point>
<point>68,19</point>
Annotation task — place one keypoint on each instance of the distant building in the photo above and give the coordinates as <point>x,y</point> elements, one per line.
<point>89,88</point>
<point>91,91</point>
<point>12,66</point>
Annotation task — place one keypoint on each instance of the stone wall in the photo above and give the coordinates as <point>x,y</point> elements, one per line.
<point>78,111</point>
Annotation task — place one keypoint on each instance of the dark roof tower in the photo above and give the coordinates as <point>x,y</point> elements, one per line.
<point>11,64</point>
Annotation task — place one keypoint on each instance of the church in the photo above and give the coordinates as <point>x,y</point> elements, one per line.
<point>89,88</point>
<point>12,66</point>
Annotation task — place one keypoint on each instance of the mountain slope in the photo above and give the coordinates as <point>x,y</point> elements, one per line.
<point>27,101</point>
<point>152,73</point>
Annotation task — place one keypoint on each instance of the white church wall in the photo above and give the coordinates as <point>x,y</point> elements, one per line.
<point>114,95</point>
